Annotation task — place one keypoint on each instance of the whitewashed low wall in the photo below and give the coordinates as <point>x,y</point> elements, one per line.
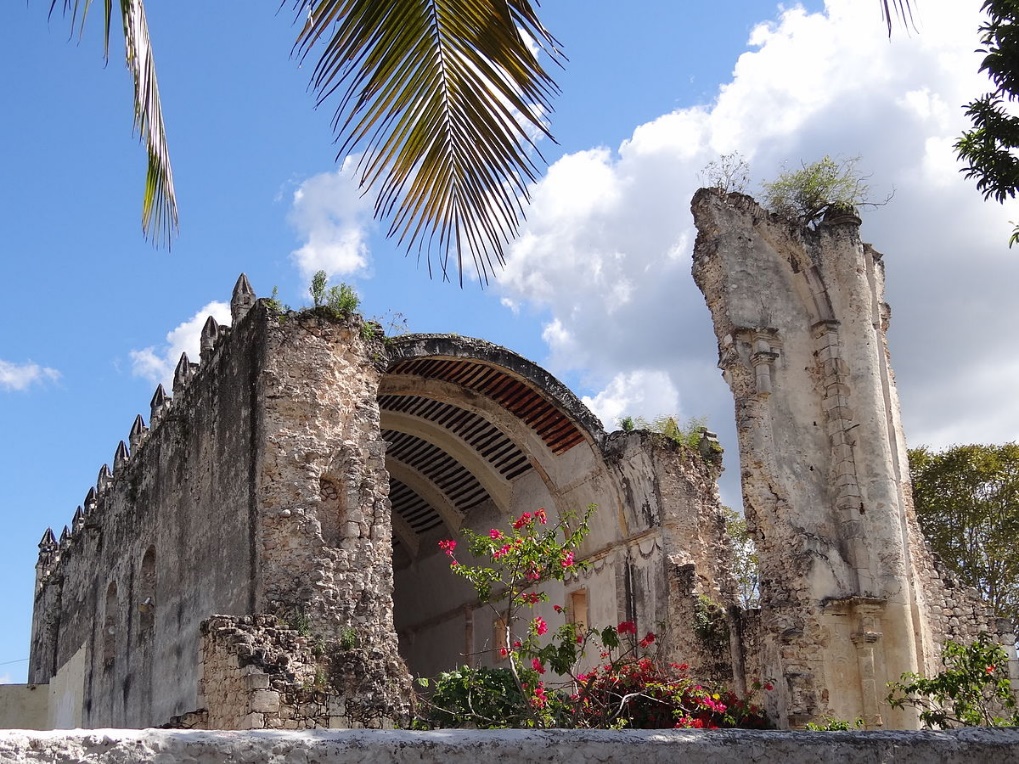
<point>472,747</point>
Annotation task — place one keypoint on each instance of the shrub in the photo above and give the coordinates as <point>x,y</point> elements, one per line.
<point>808,194</point>
<point>629,687</point>
<point>486,698</point>
<point>973,690</point>
<point>338,301</point>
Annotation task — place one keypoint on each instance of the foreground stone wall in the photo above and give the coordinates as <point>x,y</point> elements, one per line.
<point>526,747</point>
<point>258,674</point>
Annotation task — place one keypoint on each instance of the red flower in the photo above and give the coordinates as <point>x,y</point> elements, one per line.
<point>990,669</point>
<point>627,627</point>
<point>538,665</point>
<point>503,652</point>
<point>647,640</point>
<point>540,516</point>
<point>521,521</point>
<point>557,608</point>
<point>540,626</point>
<point>768,687</point>
<point>495,533</point>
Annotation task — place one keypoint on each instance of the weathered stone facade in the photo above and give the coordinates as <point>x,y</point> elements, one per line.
<point>850,597</point>
<point>263,554</point>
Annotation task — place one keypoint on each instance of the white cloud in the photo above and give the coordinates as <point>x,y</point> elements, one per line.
<point>19,376</point>
<point>157,363</point>
<point>606,246</point>
<point>333,219</point>
<point>650,394</point>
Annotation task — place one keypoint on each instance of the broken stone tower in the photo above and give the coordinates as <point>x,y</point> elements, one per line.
<point>850,596</point>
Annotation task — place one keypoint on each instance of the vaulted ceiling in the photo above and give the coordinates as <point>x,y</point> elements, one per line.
<point>456,427</point>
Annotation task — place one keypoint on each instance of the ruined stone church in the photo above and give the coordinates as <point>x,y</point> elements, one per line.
<point>263,553</point>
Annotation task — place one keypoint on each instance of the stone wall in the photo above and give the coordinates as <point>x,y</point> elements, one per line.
<point>258,487</point>
<point>526,747</point>
<point>159,543</point>
<point>257,674</point>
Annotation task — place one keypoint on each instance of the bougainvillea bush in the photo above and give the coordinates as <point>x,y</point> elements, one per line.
<point>974,690</point>
<point>543,684</point>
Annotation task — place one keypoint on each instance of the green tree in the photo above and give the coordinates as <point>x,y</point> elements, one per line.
<point>746,567</point>
<point>967,502</point>
<point>991,148</point>
<point>441,97</point>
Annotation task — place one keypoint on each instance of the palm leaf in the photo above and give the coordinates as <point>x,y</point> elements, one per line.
<point>159,203</point>
<point>892,8</point>
<point>443,98</point>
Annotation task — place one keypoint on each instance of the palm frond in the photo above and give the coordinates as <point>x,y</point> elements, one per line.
<point>443,99</point>
<point>159,203</point>
<point>902,9</point>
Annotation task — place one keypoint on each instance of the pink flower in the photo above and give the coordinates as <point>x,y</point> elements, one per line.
<point>567,561</point>
<point>540,516</point>
<point>540,626</point>
<point>538,665</point>
<point>501,552</point>
<point>495,534</point>
<point>447,546</point>
<point>627,627</point>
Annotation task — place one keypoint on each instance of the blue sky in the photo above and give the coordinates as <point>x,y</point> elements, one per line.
<point>597,287</point>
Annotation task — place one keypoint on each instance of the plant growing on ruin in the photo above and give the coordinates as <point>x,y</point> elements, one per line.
<point>730,173</point>
<point>318,288</point>
<point>629,686</point>
<point>973,690</point>
<point>710,624</point>
<point>828,185</point>
<point>339,301</point>
<point>348,638</point>
<point>834,724</point>
<point>688,434</point>
<point>273,303</point>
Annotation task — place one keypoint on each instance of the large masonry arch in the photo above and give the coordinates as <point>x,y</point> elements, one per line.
<point>476,435</point>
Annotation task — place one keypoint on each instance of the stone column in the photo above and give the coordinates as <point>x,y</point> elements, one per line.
<point>800,319</point>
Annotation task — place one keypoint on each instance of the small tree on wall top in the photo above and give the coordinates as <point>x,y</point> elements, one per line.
<point>828,185</point>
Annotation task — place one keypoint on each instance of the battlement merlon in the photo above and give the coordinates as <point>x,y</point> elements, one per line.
<point>213,335</point>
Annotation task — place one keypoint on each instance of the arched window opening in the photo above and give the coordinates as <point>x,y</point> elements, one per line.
<point>147,595</point>
<point>110,627</point>
<point>578,608</point>
<point>330,511</point>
